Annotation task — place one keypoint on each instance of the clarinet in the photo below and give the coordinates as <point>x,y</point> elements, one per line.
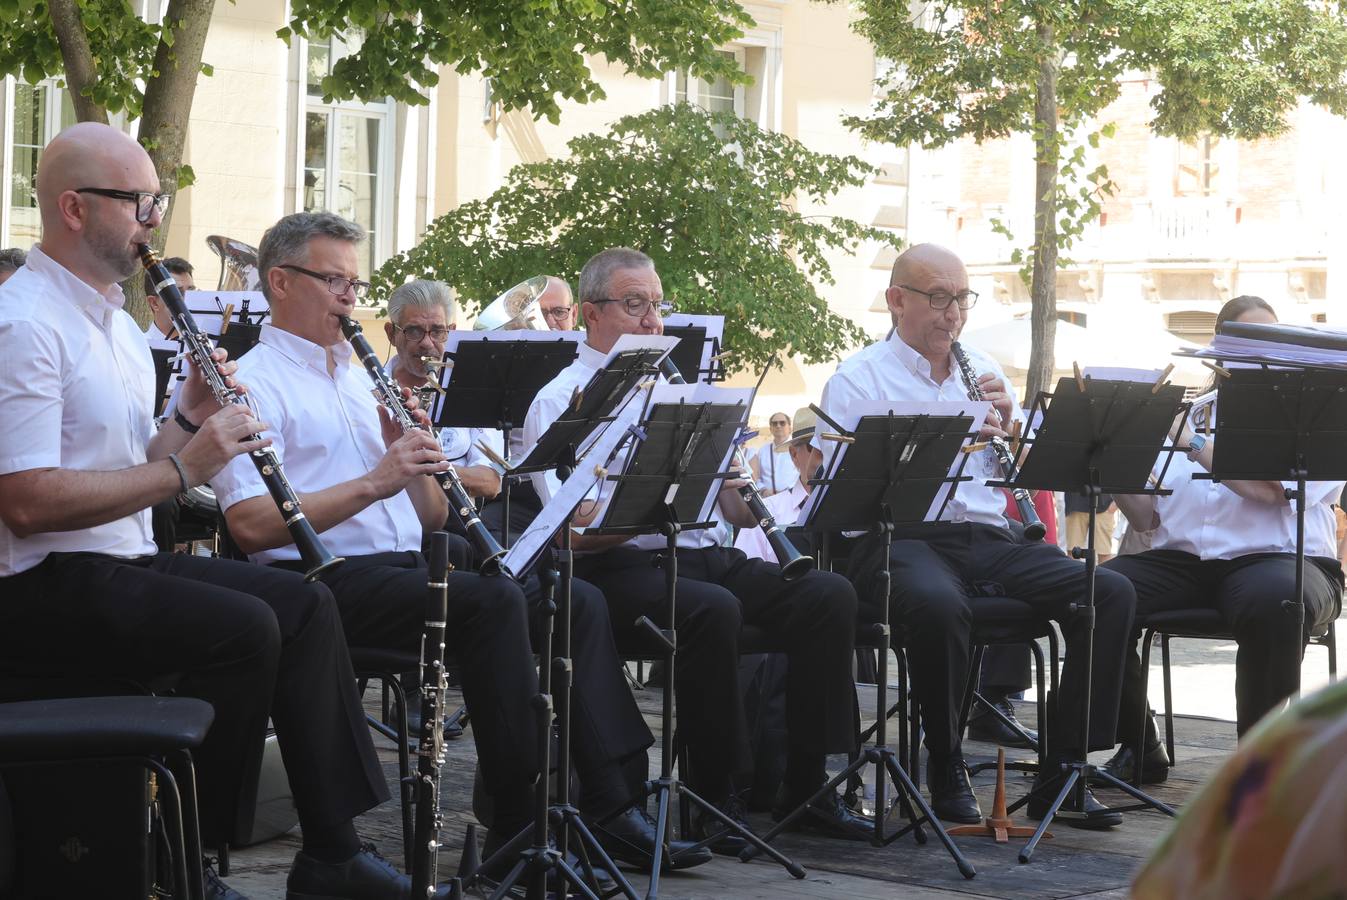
<point>430,752</point>
<point>1033,528</point>
<point>460,504</point>
<point>199,348</point>
<point>793,563</point>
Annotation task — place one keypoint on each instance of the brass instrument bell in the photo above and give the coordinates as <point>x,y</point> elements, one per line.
<point>515,310</point>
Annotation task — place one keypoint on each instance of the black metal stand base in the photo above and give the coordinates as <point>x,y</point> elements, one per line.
<point>1075,777</point>
<point>908,798</point>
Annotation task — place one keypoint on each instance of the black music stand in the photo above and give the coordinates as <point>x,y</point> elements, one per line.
<point>558,448</point>
<point>1095,437</point>
<point>1282,425</point>
<point>679,459</point>
<point>890,473</point>
<point>491,384</point>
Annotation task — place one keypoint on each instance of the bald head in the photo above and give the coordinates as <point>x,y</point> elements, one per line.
<point>916,261</point>
<point>923,294</point>
<point>93,235</point>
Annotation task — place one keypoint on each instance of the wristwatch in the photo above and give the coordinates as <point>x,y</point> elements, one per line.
<point>1195,445</point>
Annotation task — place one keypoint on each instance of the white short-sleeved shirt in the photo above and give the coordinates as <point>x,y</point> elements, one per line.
<point>1211,521</point>
<point>548,406</point>
<point>890,370</point>
<point>326,430</point>
<point>76,392</point>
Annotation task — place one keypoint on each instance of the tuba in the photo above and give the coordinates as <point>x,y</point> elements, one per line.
<point>515,310</point>
<point>238,264</point>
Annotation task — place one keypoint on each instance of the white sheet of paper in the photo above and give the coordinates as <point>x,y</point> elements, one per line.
<point>848,420</point>
<point>1118,373</point>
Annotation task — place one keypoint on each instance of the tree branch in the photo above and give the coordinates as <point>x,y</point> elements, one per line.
<point>77,57</point>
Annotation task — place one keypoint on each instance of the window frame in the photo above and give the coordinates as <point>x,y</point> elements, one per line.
<point>385,166</point>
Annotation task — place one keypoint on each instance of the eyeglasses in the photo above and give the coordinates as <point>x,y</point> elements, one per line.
<point>145,202</point>
<point>942,300</point>
<point>558,313</point>
<point>337,284</point>
<point>775,422</point>
<point>637,307</point>
<point>414,333</point>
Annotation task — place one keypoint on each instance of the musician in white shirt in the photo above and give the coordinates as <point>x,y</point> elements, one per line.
<point>84,591</point>
<point>1228,546</point>
<point>421,313</point>
<point>772,465</point>
<point>936,567</point>
<point>369,490</point>
<point>719,589</point>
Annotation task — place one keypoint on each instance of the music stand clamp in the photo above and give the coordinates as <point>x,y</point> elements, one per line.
<point>892,470</point>
<point>662,491</point>
<point>491,385</point>
<point>1095,437</point>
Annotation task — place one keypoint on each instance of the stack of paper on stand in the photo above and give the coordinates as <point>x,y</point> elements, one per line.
<point>1292,345</point>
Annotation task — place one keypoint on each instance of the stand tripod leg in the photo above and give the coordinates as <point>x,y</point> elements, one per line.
<point>687,796</point>
<point>908,787</point>
<point>1028,850</point>
<point>663,794</point>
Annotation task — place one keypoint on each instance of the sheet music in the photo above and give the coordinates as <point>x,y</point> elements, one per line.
<point>834,451</point>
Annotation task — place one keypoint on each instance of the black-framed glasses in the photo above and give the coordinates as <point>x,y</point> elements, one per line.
<point>337,284</point>
<point>558,313</point>
<point>637,307</point>
<point>942,299</point>
<point>777,422</point>
<point>146,203</point>
<point>415,333</point>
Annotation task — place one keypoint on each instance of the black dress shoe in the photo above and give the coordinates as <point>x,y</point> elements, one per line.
<point>629,837</point>
<point>827,816</point>
<point>1095,815</point>
<point>952,797</point>
<point>365,876</point>
<point>1154,765</point>
<point>215,888</point>
<point>984,726</point>
<point>729,843</point>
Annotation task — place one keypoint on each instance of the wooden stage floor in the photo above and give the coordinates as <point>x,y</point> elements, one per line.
<point>1073,864</point>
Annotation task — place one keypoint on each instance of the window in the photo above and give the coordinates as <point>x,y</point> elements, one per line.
<point>1197,169</point>
<point>39,112</point>
<point>713,96</point>
<point>345,152</point>
<point>1192,325</point>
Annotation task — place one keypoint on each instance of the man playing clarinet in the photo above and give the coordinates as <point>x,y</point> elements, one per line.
<point>936,567</point>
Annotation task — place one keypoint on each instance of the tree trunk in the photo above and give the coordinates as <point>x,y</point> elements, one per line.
<point>1047,154</point>
<point>77,58</point>
<point>165,113</point>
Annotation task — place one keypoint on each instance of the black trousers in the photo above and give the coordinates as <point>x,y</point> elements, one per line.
<point>811,619</point>
<point>249,639</point>
<point>1006,669</point>
<point>382,602</point>
<point>1248,592</point>
<point>936,568</point>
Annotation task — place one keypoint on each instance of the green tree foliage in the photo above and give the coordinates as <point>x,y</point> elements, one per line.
<point>986,69</point>
<point>712,198</point>
<point>535,51</point>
